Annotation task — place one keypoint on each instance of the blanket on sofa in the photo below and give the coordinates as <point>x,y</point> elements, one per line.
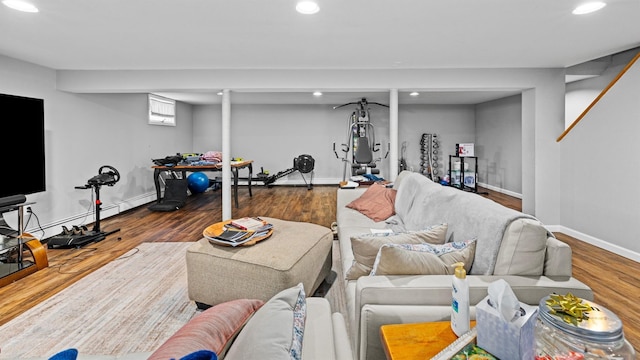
<point>420,203</point>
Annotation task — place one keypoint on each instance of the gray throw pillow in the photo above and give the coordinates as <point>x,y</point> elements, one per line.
<point>365,247</point>
<point>275,331</point>
<point>423,259</point>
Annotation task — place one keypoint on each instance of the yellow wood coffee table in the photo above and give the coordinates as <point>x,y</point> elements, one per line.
<point>416,341</point>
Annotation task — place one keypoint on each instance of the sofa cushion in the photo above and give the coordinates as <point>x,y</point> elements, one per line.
<point>523,249</point>
<point>365,247</point>
<point>557,261</point>
<point>377,202</point>
<point>423,259</point>
<point>274,330</point>
<point>214,329</point>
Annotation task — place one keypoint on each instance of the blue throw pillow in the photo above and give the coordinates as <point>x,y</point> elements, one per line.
<point>201,355</point>
<point>69,354</point>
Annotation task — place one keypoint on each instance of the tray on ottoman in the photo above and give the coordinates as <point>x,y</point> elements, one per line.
<point>212,231</point>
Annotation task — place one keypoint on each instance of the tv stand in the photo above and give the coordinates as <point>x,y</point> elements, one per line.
<point>13,265</point>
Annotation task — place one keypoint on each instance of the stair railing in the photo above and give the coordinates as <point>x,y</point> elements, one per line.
<point>595,101</point>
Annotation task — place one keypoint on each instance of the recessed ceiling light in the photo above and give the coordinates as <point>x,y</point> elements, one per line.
<point>588,8</point>
<point>220,93</point>
<point>317,93</point>
<point>20,6</point>
<point>415,93</point>
<point>307,7</point>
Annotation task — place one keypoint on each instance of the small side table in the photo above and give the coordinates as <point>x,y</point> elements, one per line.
<point>418,340</point>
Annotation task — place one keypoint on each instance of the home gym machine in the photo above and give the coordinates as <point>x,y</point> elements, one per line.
<point>361,141</point>
<point>303,164</point>
<point>80,235</point>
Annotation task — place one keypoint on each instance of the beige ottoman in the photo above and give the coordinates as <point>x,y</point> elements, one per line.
<point>296,252</point>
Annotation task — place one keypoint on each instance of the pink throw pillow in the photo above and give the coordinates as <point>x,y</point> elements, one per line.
<point>377,202</point>
<point>213,329</point>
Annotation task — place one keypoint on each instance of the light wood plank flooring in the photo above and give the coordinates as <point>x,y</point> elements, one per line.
<point>613,278</point>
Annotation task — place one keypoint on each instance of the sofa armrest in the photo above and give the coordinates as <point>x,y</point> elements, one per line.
<point>373,316</point>
<point>345,196</point>
<point>379,299</point>
<point>557,260</point>
<point>436,289</point>
<point>341,338</point>
<point>325,333</point>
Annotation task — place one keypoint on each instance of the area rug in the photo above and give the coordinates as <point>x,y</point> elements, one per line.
<point>133,304</point>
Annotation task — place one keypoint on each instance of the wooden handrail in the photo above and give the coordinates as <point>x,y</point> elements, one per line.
<point>593,103</point>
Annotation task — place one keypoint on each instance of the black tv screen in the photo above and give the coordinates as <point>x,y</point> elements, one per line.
<point>22,145</point>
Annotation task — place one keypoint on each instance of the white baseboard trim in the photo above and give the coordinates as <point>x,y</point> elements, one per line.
<point>616,249</point>
<point>55,227</point>
<point>500,190</point>
<point>136,201</point>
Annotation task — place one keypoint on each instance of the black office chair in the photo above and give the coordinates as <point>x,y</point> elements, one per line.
<point>175,195</point>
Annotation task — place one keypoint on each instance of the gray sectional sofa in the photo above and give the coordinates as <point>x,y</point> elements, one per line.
<point>508,245</point>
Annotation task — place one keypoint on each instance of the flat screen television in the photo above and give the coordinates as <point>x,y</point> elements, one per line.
<point>22,145</point>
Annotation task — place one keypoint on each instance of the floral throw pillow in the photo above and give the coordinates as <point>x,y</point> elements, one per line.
<point>365,247</point>
<point>423,259</point>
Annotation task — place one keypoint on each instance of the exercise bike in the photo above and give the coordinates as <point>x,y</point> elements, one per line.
<point>79,236</point>
<point>361,141</point>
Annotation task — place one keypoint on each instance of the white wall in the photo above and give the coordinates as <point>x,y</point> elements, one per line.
<point>272,135</point>
<point>207,128</point>
<point>600,199</point>
<point>82,133</point>
<point>580,94</point>
<point>452,123</point>
<point>499,144</point>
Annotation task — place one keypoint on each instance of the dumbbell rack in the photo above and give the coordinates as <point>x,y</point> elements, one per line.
<point>429,151</point>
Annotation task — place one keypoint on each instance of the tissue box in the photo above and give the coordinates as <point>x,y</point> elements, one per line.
<point>506,340</point>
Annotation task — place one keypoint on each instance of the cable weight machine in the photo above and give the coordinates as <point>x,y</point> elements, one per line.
<point>361,141</point>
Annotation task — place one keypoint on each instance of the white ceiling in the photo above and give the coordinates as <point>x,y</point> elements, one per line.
<point>345,34</point>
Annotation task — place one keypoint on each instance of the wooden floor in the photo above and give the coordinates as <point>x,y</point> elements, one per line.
<point>613,278</point>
